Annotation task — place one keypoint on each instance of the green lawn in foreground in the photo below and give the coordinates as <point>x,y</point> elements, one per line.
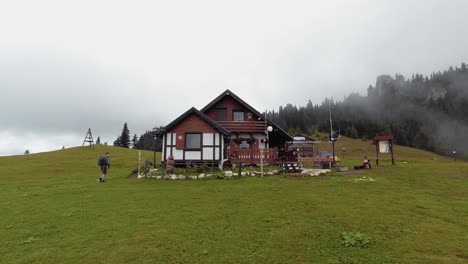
<point>53,211</point>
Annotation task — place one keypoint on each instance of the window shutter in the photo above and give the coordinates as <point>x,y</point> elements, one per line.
<point>180,140</point>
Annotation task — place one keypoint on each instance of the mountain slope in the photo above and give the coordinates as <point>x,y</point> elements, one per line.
<point>53,211</point>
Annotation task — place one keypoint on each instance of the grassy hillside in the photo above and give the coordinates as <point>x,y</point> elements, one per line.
<point>53,210</point>
<point>356,149</point>
<point>69,164</point>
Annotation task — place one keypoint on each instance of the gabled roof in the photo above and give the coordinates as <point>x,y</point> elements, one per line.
<point>246,105</point>
<point>193,110</point>
<point>237,98</point>
<point>279,128</point>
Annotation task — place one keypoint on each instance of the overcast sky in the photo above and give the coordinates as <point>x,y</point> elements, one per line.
<point>66,66</point>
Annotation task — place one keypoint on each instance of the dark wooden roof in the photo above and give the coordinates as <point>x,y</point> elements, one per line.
<point>193,110</point>
<point>246,105</point>
<point>381,138</point>
<point>280,129</point>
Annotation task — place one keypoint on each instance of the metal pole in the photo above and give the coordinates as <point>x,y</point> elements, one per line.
<point>154,156</point>
<point>261,149</point>
<point>333,152</point>
<point>139,162</point>
<point>331,133</point>
<point>329,113</point>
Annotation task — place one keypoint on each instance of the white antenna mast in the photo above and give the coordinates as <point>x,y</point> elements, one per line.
<point>331,125</point>
<point>332,137</point>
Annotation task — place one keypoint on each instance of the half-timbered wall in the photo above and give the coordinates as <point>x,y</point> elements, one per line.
<point>211,145</point>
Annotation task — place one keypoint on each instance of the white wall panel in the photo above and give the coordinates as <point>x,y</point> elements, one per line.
<point>217,153</point>
<point>192,155</point>
<point>259,137</point>
<point>207,139</point>
<point>208,153</point>
<point>178,154</point>
<point>168,138</point>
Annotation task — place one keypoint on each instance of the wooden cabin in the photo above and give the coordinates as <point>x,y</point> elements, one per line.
<point>226,129</point>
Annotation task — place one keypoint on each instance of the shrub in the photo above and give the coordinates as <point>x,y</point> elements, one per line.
<point>355,239</point>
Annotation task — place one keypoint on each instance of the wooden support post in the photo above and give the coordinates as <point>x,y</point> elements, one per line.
<point>391,151</point>
<point>146,168</point>
<point>261,162</point>
<point>377,152</point>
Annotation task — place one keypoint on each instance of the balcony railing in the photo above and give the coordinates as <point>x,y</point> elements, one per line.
<point>244,126</point>
<point>252,156</point>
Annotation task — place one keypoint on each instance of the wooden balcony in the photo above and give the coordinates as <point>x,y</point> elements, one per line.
<point>252,156</point>
<point>244,126</point>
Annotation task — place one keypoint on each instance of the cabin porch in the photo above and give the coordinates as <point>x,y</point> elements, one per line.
<point>253,156</point>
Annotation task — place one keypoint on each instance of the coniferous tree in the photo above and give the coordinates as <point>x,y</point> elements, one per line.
<point>351,132</point>
<point>98,141</point>
<point>117,142</point>
<point>134,140</point>
<point>426,112</point>
<point>150,141</point>
<point>125,137</point>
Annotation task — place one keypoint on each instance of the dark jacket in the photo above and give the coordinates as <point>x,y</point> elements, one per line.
<point>105,162</point>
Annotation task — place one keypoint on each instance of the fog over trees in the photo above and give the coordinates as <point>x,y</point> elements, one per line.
<point>425,112</point>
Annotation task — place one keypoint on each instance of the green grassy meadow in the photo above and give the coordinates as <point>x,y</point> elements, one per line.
<point>53,211</point>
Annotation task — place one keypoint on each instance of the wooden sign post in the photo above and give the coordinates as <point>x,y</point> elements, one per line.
<point>383,144</point>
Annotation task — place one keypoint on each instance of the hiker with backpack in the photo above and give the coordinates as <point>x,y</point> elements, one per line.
<point>103,162</point>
